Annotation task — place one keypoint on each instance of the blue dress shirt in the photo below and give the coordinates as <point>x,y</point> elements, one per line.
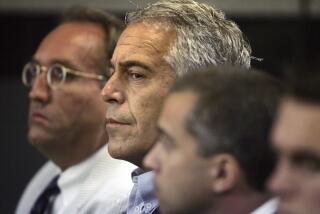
<point>142,199</point>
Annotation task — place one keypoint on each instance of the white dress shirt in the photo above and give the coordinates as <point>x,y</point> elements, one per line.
<point>269,207</point>
<point>99,184</point>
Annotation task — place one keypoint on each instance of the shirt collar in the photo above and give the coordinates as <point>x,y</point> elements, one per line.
<point>145,188</point>
<point>144,180</point>
<point>268,207</point>
<point>74,176</point>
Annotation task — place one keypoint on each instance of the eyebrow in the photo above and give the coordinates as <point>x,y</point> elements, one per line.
<point>132,63</point>
<point>66,63</point>
<point>164,134</point>
<point>306,154</point>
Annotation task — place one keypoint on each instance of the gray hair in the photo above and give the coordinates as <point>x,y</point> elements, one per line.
<point>204,35</point>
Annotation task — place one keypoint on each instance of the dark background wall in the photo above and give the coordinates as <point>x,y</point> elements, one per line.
<point>20,34</point>
<point>280,40</point>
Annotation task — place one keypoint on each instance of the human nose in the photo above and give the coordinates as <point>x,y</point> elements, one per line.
<point>40,89</point>
<point>112,91</point>
<point>281,182</point>
<point>152,159</point>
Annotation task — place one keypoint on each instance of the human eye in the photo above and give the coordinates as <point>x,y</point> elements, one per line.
<point>136,71</point>
<point>111,71</point>
<point>60,72</point>
<point>70,76</point>
<point>136,75</point>
<point>311,165</point>
<point>56,74</point>
<point>30,72</point>
<point>307,162</point>
<point>166,141</point>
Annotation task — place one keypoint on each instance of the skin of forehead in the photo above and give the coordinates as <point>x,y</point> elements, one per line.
<point>298,124</point>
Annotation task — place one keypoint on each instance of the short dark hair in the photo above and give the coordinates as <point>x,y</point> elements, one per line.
<point>302,81</point>
<point>234,114</point>
<point>111,25</point>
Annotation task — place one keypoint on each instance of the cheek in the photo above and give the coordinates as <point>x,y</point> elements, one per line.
<point>71,103</point>
<point>176,185</point>
<point>93,106</point>
<point>306,197</point>
<point>146,103</point>
<point>174,169</point>
<point>146,108</point>
<point>75,105</point>
<point>312,191</point>
<point>152,108</point>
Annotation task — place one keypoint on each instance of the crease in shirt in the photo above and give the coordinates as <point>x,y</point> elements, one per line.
<point>142,198</point>
<point>72,178</point>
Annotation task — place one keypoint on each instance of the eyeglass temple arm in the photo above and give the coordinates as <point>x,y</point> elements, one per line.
<point>88,75</point>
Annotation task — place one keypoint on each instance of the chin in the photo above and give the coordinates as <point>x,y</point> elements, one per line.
<point>125,151</point>
<point>114,153</point>
<point>37,133</point>
<point>164,206</point>
<point>167,210</point>
<point>285,209</point>
<point>116,150</point>
<point>39,139</point>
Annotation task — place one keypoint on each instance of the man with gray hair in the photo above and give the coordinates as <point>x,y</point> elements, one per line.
<point>160,43</point>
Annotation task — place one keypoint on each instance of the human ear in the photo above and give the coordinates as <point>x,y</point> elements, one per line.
<point>224,173</point>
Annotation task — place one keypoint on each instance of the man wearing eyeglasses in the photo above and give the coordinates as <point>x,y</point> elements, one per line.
<point>66,120</point>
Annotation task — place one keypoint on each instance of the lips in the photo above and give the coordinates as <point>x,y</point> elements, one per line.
<point>113,123</point>
<point>37,117</point>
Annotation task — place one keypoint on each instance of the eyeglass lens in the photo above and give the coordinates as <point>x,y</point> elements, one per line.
<point>31,71</point>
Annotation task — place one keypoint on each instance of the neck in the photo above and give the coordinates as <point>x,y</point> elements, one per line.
<point>68,153</point>
<point>65,160</point>
<point>242,203</point>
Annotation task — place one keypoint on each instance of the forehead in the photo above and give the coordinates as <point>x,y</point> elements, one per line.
<point>297,125</point>
<point>176,109</point>
<point>70,41</point>
<point>149,40</point>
